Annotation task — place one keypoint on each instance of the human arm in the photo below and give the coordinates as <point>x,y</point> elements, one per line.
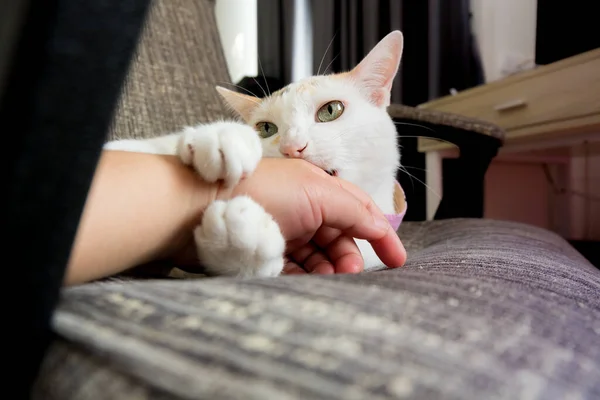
<point>143,207</point>
<point>140,207</point>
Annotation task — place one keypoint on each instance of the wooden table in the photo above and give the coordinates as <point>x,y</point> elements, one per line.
<point>550,107</point>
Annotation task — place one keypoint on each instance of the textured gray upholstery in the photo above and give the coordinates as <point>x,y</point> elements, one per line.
<point>172,80</point>
<point>482,310</point>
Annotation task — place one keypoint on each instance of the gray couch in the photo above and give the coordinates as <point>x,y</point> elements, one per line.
<point>482,310</point>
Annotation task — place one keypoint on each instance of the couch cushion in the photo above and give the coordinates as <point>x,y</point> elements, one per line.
<point>172,79</point>
<point>482,310</point>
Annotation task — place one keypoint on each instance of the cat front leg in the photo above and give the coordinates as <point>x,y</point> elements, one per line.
<point>238,237</point>
<point>166,145</point>
<point>227,151</point>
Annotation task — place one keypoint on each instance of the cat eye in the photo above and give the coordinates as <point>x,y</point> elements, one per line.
<point>330,111</point>
<point>266,129</point>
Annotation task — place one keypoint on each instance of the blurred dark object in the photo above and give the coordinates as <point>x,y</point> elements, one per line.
<point>63,63</point>
<point>11,18</point>
<point>565,29</point>
<point>588,249</point>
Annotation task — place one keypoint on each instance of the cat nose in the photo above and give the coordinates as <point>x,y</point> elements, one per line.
<point>293,151</point>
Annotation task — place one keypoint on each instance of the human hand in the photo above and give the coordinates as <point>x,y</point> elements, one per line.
<point>319,216</point>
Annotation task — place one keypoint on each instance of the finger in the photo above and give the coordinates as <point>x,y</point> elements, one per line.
<point>325,235</point>
<point>390,249</point>
<point>295,244</point>
<point>345,255</point>
<point>301,255</point>
<point>318,263</point>
<point>341,250</point>
<point>387,250</point>
<point>325,268</point>
<point>291,268</point>
<point>348,259</point>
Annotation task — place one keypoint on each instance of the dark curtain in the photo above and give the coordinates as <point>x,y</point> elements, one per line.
<point>454,58</point>
<point>345,31</point>
<point>439,52</point>
<point>275,40</point>
<point>439,55</point>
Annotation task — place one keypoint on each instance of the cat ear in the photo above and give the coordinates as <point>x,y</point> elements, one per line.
<point>240,103</point>
<point>375,73</point>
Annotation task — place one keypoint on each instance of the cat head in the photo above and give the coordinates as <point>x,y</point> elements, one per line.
<point>338,122</point>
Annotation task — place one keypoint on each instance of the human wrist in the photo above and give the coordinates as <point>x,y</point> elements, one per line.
<point>195,196</point>
<point>148,203</point>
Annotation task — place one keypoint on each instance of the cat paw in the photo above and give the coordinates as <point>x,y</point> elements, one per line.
<point>227,151</point>
<point>239,238</point>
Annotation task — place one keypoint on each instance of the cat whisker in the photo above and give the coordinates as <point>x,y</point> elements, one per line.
<point>414,125</point>
<point>325,54</point>
<point>409,175</point>
<point>404,170</point>
<point>263,74</point>
<point>354,129</point>
<point>367,136</point>
<point>329,65</point>
<point>418,137</point>
<point>369,125</point>
<point>410,136</point>
<point>395,123</point>
<point>403,124</point>
<point>242,88</point>
<point>417,168</point>
<point>374,137</point>
<point>418,180</point>
<point>260,86</point>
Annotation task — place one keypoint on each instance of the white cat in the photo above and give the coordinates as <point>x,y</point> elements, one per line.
<point>338,122</point>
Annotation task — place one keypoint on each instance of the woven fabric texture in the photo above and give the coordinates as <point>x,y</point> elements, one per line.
<point>178,63</point>
<point>482,310</point>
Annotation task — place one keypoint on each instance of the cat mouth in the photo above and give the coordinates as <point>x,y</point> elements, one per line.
<point>332,172</point>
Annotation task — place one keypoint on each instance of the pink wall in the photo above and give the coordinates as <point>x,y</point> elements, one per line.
<point>517,189</point>
<point>517,192</point>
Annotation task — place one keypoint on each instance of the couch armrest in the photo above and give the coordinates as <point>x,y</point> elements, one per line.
<point>478,143</point>
<point>457,123</point>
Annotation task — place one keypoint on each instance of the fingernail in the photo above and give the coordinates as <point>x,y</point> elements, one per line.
<point>382,223</point>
